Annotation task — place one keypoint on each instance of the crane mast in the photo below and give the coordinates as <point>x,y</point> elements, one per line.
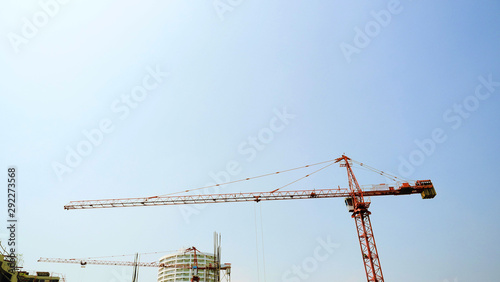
<point>364,229</point>
<point>195,277</point>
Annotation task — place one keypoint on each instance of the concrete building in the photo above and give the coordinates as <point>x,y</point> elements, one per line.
<point>167,274</point>
<point>9,275</point>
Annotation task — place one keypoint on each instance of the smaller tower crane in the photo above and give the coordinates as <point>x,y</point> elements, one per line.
<point>216,266</point>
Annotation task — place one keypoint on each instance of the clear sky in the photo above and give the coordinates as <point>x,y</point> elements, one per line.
<point>112,99</point>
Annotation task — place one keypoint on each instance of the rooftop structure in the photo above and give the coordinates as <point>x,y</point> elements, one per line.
<point>9,275</point>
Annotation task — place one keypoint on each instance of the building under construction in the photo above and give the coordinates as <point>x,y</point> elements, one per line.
<point>9,275</point>
<point>203,267</point>
<point>185,265</point>
<point>204,260</point>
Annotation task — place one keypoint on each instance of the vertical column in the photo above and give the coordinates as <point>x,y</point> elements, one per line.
<point>368,247</point>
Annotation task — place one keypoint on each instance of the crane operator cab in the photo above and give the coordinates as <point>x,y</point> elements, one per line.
<point>349,204</point>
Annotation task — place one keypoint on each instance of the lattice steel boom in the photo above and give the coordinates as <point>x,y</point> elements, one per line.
<point>405,188</point>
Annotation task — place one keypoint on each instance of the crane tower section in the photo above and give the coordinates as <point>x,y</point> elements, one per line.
<point>361,216</point>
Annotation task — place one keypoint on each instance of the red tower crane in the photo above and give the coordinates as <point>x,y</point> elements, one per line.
<point>357,201</point>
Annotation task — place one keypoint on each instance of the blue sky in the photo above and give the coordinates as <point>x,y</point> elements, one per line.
<point>171,92</point>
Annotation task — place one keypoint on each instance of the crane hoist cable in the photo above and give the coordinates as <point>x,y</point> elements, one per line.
<point>244,179</point>
<point>386,174</point>
<point>275,190</point>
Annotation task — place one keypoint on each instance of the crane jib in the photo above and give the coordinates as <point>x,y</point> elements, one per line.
<point>423,187</point>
